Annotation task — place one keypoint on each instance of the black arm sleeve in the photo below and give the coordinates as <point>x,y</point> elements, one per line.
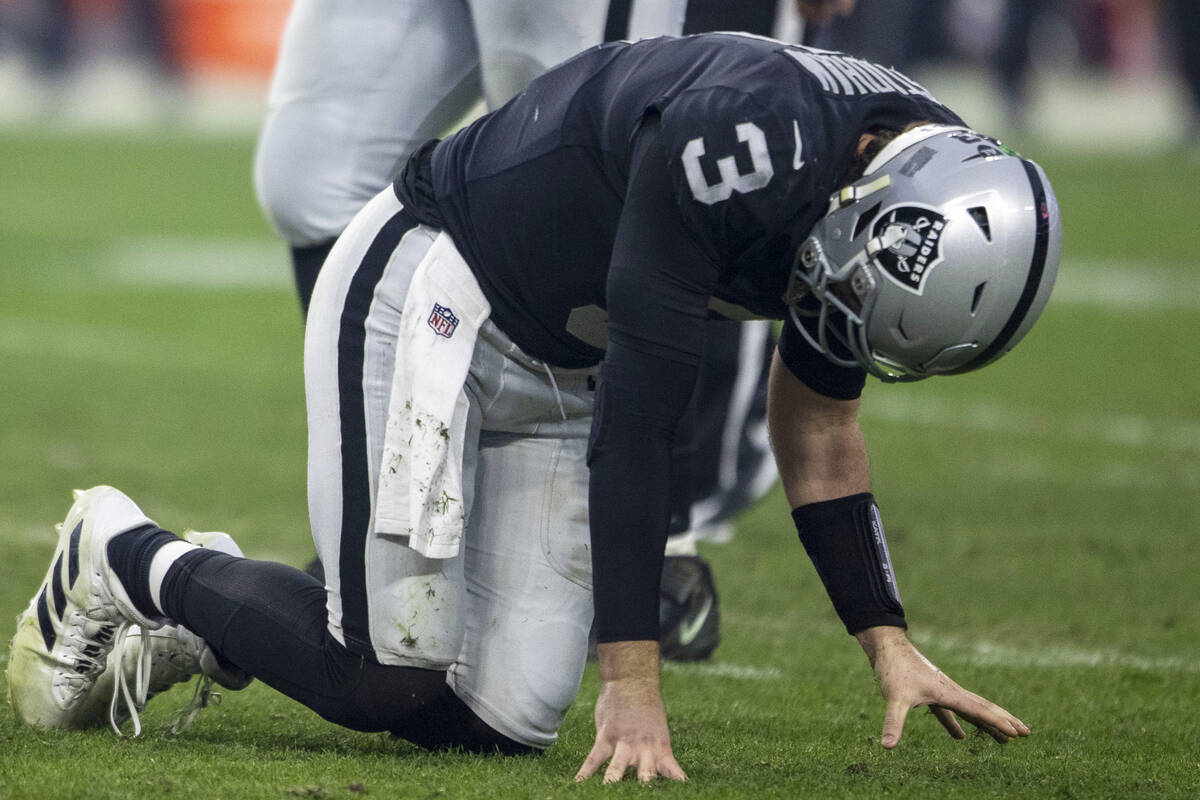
<point>816,371</point>
<point>657,293</point>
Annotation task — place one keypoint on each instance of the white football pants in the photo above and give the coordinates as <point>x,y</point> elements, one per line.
<point>359,84</point>
<point>508,618</point>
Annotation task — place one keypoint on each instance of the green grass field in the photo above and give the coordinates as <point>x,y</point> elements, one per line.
<point>1042,514</point>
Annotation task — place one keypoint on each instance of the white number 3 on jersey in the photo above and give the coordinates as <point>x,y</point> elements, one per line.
<point>731,180</point>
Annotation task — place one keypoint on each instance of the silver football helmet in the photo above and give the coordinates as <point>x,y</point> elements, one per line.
<point>936,261</point>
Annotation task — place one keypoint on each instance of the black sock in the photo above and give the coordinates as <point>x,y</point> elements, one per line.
<point>306,263</point>
<point>130,554</point>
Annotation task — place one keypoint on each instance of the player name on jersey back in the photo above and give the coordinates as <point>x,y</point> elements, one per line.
<point>840,73</point>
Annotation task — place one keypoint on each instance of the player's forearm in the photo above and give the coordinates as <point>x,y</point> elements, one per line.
<point>827,464</point>
<point>818,444</point>
<point>822,459</point>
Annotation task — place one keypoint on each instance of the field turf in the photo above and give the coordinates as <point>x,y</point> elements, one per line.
<point>1042,513</point>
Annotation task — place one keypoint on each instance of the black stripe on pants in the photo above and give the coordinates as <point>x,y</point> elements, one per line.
<point>356,480</point>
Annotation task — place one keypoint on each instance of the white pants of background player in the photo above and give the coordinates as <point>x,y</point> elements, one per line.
<point>359,84</point>
<point>508,616</point>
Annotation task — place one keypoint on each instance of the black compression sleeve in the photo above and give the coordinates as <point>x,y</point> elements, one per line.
<point>844,539</point>
<point>657,294</point>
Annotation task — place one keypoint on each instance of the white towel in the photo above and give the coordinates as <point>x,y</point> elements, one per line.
<point>420,478</point>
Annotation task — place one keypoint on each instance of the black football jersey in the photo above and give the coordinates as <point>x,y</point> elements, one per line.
<point>624,197</point>
<point>756,133</point>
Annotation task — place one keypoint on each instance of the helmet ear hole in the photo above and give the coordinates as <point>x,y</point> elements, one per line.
<point>977,297</point>
<point>864,219</point>
<point>980,215</point>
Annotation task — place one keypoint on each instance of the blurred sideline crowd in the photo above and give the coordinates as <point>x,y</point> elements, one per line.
<point>178,46</point>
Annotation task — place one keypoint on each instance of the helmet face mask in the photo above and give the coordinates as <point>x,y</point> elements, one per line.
<point>830,305</point>
<point>937,261</point>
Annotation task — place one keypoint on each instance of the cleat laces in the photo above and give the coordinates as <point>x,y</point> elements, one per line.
<point>202,697</point>
<point>136,699</point>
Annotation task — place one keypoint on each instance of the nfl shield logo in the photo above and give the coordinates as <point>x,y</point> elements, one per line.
<point>443,321</point>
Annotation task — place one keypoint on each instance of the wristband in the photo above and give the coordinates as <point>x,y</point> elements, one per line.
<point>844,539</point>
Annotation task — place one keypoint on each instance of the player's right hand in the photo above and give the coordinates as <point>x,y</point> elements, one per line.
<point>631,722</point>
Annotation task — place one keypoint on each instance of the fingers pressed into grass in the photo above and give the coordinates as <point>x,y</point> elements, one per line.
<point>595,759</point>
<point>946,717</point>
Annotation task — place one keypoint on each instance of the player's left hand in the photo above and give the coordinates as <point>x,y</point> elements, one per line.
<point>631,722</point>
<point>909,680</point>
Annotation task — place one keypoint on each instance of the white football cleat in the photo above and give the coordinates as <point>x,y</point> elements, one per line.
<point>78,615</point>
<point>81,623</point>
<point>174,654</point>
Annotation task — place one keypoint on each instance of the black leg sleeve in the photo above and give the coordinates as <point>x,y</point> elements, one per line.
<point>1185,19</point>
<point>269,620</point>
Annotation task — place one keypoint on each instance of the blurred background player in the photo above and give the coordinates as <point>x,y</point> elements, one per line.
<point>359,85</point>
<point>1184,20</point>
<point>53,37</point>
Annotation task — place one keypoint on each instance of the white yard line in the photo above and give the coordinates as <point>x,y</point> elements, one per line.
<point>1153,454</point>
<point>987,653</point>
<point>1124,286</point>
<point>261,262</point>
<point>976,652</point>
<point>1126,430</point>
<point>200,262</point>
<point>1154,475</point>
<point>723,670</point>
<point>981,652</point>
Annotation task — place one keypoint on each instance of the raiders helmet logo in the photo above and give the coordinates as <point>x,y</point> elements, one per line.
<point>917,249</point>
